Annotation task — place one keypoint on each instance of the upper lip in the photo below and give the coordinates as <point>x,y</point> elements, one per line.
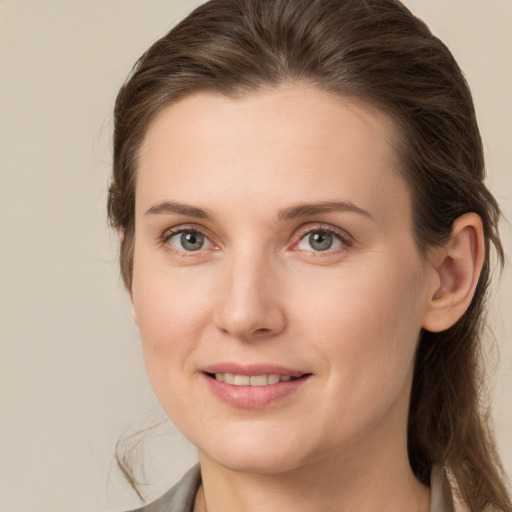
<point>252,369</point>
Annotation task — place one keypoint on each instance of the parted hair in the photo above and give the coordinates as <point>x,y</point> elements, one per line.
<point>378,53</point>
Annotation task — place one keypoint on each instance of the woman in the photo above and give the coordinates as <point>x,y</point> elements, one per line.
<point>305,232</point>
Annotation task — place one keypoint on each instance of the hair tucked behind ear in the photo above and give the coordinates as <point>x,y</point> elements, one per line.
<point>377,52</point>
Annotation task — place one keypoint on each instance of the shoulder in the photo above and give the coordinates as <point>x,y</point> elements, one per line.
<point>179,498</point>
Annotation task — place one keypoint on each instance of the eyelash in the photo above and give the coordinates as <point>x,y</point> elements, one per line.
<point>344,238</point>
<point>168,234</point>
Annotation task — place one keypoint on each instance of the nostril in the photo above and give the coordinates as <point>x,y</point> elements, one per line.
<point>263,330</point>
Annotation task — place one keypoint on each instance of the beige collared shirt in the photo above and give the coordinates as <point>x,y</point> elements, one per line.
<point>440,493</point>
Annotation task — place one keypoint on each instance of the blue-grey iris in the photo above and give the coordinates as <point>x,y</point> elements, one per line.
<point>320,241</point>
<point>192,241</point>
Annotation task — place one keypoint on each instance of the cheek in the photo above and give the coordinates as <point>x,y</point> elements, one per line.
<point>366,326</point>
<point>380,295</point>
<point>171,310</point>
<point>169,303</point>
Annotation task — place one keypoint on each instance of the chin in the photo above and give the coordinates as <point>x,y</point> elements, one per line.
<point>254,463</point>
<point>255,455</point>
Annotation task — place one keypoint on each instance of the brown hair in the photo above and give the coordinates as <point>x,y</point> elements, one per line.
<point>375,51</point>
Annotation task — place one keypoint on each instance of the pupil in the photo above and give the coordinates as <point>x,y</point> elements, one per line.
<point>320,241</point>
<point>192,241</point>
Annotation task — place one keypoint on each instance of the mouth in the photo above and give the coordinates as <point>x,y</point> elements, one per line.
<point>254,386</point>
<point>252,380</point>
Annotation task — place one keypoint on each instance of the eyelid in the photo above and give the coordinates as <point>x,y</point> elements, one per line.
<point>345,237</point>
<point>185,228</point>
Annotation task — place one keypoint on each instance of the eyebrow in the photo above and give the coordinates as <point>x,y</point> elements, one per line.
<point>292,212</point>
<point>180,209</point>
<point>308,209</point>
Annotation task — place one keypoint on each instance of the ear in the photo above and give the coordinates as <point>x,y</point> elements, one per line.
<point>457,267</point>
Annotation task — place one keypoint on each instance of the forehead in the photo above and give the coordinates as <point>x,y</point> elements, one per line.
<point>279,144</point>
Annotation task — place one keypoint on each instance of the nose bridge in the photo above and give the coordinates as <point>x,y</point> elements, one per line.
<point>248,305</point>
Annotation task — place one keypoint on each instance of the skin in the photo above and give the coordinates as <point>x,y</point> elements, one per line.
<point>258,292</point>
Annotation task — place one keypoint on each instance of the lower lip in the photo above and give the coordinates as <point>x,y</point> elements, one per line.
<point>253,397</point>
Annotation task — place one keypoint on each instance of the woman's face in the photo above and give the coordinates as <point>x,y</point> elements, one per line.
<point>274,248</point>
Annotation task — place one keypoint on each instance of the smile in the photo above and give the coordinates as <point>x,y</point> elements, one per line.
<point>253,387</point>
<point>251,380</point>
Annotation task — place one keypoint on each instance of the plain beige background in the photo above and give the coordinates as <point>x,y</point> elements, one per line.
<point>71,374</point>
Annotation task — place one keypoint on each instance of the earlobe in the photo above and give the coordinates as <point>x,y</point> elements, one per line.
<point>457,266</point>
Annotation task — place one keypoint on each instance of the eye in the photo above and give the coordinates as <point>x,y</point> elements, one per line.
<point>189,240</point>
<point>320,240</point>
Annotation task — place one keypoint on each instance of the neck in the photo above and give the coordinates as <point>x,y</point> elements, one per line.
<point>376,480</point>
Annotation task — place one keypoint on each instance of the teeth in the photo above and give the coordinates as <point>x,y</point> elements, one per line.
<point>273,378</point>
<point>259,380</point>
<point>242,380</point>
<point>251,380</point>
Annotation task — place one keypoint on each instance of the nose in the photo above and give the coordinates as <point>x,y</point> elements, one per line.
<point>248,306</point>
